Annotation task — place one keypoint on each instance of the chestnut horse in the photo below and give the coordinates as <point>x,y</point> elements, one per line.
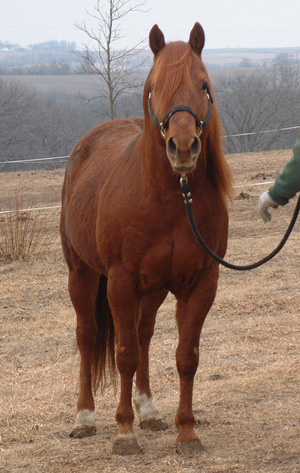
<point>127,240</point>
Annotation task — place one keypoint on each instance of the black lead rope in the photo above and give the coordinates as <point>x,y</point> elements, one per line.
<point>188,201</point>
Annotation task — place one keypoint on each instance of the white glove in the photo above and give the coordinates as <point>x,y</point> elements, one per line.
<point>266,201</point>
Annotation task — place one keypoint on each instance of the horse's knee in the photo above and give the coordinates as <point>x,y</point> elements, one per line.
<point>187,361</point>
<point>127,359</point>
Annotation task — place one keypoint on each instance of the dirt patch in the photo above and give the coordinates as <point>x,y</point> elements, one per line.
<point>246,397</point>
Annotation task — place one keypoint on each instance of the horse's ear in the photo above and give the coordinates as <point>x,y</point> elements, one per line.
<point>197,38</point>
<point>156,39</point>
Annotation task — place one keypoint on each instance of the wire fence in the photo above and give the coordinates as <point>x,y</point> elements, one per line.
<point>66,157</point>
<point>52,207</point>
<point>33,160</point>
<point>263,132</point>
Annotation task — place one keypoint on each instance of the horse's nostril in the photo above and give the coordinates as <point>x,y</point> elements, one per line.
<point>196,147</point>
<point>172,147</point>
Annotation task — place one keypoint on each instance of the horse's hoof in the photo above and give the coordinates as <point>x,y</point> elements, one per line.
<point>189,447</point>
<point>153,424</point>
<point>83,431</point>
<point>126,446</point>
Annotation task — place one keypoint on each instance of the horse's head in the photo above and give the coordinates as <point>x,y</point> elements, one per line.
<point>179,101</point>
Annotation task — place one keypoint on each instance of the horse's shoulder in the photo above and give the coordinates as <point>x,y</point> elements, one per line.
<point>107,132</point>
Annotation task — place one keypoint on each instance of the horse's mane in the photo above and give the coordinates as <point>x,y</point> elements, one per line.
<point>171,71</point>
<point>217,167</point>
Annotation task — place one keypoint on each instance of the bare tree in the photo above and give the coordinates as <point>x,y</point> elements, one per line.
<point>114,67</point>
<point>255,106</point>
<point>35,125</point>
<point>16,113</point>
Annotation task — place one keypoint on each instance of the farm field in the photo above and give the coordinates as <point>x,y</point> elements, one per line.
<point>74,85</point>
<point>68,85</point>
<point>247,389</point>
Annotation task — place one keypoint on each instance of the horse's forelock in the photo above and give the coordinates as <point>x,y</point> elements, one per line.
<point>171,71</point>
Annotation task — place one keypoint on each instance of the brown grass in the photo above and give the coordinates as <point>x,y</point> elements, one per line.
<point>247,387</point>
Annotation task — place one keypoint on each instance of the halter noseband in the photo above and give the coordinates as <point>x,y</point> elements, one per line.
<point>164,125</point>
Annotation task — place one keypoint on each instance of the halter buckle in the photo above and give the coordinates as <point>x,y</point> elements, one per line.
<point>200,129</point>
<point>162,130</point>
<point>186,194</point>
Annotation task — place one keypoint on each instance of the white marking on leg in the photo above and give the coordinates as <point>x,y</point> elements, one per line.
<point>131,436</point>
<point>145,407</point>
<point>85,418</point>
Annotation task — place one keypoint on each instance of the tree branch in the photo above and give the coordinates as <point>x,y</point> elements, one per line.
<point>113,66</point>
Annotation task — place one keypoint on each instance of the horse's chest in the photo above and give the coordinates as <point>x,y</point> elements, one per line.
<point>169,264</point>
<point>154,267</point>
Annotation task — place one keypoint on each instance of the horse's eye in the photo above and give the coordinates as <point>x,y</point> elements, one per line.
<point>205,85</point>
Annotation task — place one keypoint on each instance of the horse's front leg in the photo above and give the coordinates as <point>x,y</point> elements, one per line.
<point>123,302</point>
<point>150,417</point>
<point>190,315</point>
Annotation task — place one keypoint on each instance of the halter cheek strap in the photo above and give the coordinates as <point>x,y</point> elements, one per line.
<point>164,125</point>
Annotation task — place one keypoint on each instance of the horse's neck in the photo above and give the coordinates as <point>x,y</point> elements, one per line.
<point>156,169</point>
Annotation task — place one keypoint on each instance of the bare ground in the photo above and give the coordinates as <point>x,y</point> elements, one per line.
<point>247,388</point>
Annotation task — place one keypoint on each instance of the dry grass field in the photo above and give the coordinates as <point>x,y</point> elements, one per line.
<point>246,397</point>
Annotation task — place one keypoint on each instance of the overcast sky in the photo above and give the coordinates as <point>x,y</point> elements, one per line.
<point>227,23</point>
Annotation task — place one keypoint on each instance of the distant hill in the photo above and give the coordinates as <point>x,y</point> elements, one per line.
<point>56,58</point>
<point>51,57</point>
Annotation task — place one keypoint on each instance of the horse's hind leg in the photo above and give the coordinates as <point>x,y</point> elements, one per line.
<point>150,417</point>
<point>83,288</point>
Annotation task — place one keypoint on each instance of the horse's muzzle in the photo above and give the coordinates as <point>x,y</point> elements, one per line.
<point>183,155</point>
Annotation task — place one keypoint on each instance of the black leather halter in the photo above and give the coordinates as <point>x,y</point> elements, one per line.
<point>164,125</point>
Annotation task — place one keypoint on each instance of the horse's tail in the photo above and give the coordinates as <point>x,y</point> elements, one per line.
<point>104,363</point>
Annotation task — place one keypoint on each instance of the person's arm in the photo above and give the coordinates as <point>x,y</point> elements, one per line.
<point>287,184</point>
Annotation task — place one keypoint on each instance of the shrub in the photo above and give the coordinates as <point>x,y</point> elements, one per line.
<point>23,234</point>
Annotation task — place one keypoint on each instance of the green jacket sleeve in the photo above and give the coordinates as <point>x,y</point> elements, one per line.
<point>287,183</point>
